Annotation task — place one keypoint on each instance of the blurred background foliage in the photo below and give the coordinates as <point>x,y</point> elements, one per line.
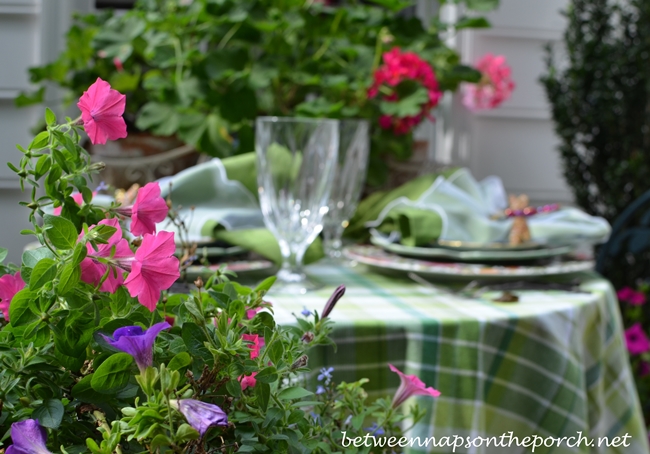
<point>203,70</point>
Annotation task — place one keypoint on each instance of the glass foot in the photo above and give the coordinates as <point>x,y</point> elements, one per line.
<point>294,283</point>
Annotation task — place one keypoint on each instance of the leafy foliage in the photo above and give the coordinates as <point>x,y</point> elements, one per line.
<point>56,367</point>
<point>600,98</point>
<point>204,71</point>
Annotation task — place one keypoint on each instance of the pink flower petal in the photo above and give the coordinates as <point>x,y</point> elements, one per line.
<point>410,385</point>
<point>101,111</point>
<point>148,209</point>
<point>9,286</point>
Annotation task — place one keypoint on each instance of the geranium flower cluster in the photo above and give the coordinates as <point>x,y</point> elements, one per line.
<point>399,67</point>
<point>496,84</point>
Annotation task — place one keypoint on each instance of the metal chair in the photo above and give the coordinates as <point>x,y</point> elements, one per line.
<point>625,257</point>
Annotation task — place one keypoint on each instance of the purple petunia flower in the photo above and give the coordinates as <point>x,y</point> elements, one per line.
<point>28,438</point>
<point>200,415</point>
<point>137,343</point>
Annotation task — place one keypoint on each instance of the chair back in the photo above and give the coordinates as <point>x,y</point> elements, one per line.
<point>625,257</point>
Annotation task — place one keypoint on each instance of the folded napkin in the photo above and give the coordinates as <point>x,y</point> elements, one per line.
<point>457,207</point>
<point>218,201</point>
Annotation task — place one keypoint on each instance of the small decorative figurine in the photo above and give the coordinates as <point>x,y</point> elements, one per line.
<point>519,232</point>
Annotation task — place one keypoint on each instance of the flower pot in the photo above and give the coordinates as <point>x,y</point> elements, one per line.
<point>141,158</point>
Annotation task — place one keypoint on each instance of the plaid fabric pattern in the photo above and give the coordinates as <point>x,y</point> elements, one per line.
<point>553,364</point>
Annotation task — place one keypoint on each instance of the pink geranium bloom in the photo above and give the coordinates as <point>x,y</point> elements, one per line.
<point>9,286</point>
<point>255,348</point>
<point>148,209</point>
<point>495,86</point>
<point>154,269</point>
<point>101,111</point>
<point>410,385</point>
<point>248,381</point>
<point>92,270</point>
<point>636,340</point>
<point>399,67</point>
<point>631,296</point>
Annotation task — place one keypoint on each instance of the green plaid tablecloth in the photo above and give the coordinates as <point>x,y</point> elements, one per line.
<point>553,364</point>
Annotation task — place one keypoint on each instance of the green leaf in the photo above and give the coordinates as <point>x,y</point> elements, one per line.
<point>50,413</point>
<point>3,254</point>
<point>43,272</point>
<point>32,257</point>
<point>267,375</point>
<point>263,393</point>
<point>40,141</point>
<point>266,284</point>
<point>19,312</point>
<point>159,441</point>
<point>50,120</point>
<point>61,232</point>
<point>179,361</point>
<point>295,392</point>
<point>28,99</point>
<point>80,252</point>
<point>84,392</point>
<point>482,5</point>
<point>113,374</point>
<point>472,22</point>
<point>42,166</point>
<point>234,388</point>
<point>186,432</point>
<point>69,278</point>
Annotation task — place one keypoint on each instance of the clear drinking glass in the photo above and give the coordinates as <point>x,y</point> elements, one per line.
<point>296,161</point>
<point>352,164</point>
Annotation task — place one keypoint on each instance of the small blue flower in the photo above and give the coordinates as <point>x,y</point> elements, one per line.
<point>306,312</point>
<point>325,374</point>
<point>375,430</point>
<point>320,390</point>
<point>102,186</point>
<point>315,417</point>
<point>348,420</point>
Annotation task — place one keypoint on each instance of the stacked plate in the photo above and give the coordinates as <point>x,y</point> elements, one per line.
<point>458,260</point>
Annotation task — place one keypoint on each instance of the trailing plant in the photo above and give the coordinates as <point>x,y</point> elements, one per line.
<point>96,356</point>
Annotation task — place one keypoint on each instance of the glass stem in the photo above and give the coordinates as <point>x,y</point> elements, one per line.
<point>291,261</point>
<point>332,243</point>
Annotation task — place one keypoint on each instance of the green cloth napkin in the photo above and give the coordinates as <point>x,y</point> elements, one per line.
<point>415,225</point>
<point>262,242</point>
<point>370,208</point>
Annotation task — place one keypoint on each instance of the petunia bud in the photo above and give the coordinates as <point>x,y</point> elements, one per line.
<point>300,362</point>
<point>200,415</point>
<point>198,282</point>
<point>307,337</point>
<point>337,295</point>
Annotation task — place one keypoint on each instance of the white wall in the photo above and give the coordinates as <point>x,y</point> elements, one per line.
<point>516,141</point>
<point>31,32</point>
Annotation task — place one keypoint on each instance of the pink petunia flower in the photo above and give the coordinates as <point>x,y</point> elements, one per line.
<point>101,111</point>
<point>92,270</point>
<point>148,209</point>
<point>154,269</point>
<point>636,340</point>
<point>495,86</point>
<point>255,348</point>
<point>78,199</point>
<point>631,296</point>
<point>410,385</point>
<point>248,381</point>
<point>9,286</point>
